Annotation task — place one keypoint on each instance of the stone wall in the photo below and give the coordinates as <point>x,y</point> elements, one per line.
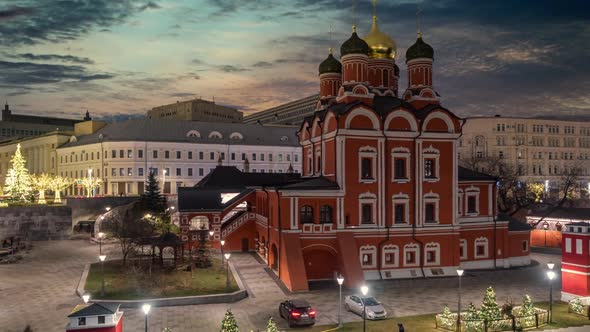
<point>36,222</point>
<point>91,208</point>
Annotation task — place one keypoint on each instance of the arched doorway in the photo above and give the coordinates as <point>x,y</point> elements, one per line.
<point>274,257</point>
<point>320,262</point>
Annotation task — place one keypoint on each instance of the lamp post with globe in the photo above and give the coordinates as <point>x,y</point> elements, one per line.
<point>227,255</point>
<point>364,291</point>
<point>340,280</point>
<point>146,310</point>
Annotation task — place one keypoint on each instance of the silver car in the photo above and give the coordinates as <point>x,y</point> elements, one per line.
<point>374,309</point>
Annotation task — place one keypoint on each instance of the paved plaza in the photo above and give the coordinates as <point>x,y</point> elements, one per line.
<point>40,291</point>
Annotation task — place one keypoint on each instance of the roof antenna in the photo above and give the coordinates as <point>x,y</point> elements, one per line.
<point>353,15</point>
<point>330,48</point>
<point>418,21</point>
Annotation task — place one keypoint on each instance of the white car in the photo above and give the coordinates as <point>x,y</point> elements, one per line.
<point>374,309</point>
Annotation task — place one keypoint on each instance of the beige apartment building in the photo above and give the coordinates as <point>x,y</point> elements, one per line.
<point>196,110</point>
<point>541,150</point>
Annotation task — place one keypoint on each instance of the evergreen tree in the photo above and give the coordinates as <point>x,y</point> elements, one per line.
<point>229,324</point>
<point>152,198</point>
<point>167,329</point>
<point>490,310</point>
<point>446,318</point>
<point>203,260</point>
<point>527,312</point>
<point>576,306</point>
<point>472,320</point>
<point>18,180</point>
<point>271,326</point>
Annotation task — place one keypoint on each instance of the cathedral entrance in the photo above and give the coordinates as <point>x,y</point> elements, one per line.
<point>320,263</point>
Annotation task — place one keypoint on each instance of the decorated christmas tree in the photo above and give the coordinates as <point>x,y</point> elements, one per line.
<point>446,318</point>
<point>229,324</point>
<point>527,312</point>
<point>167,329</point>
<point>577,306</point>
<point>472,320</point>
<point>18,180</point>
<point>489,308</point>
<point>271,326</point>
<point>59,183</point>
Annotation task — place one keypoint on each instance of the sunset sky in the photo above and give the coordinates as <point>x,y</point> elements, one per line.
<point>515,58</point>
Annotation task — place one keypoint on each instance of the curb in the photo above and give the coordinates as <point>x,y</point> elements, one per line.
<point>171,301</point>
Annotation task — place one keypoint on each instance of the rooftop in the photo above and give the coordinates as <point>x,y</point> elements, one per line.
<point>94,309</point>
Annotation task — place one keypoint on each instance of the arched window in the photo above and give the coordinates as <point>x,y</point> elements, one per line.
<point>199,223</point>
<point>386,78</point>
<point>306,214</point>
<point>326,214</point>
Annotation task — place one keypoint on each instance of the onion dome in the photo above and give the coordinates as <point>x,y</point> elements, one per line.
<point>381,46</point>
<point>330,65</point>
<point>354,45</point>
<point>419,50</point>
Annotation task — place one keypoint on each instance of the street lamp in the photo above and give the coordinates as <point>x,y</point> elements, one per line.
<point>551,276</point>
<point>108,208</point>
<point>222,244</point>
<point>545,227</point>
<point>100,236</point>
<point>460,273</point>
<point>550,266</point>
<point>211,233</point>
<point>146,310</point>
<point>102,258</point>
<point>340,280</point>
<point>90,194</point>
<point>227,272</point>
<point>86,297</point>
<point>364,291</point>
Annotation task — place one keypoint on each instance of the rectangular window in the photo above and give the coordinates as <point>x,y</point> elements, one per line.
<point>179,172</point>
<point>129,171</point>
<point>254,156</point>
<point>121,153</point>
<point>155,154</point>
<point>178,154</point>
<point>366,169</point>
<point>201,172</point>
<point>81,321</point>
<point>270,157</point>
<point>400,168</point>
<point>140,154</point>
<point>167,154</point>
<point>167,171</point>
<point>201,155</point>
<point>113,153</point>
<point>233,156</point>
<point>430,212</point>
<point>129,153</point>
<point>367,259</point>
<point>280,157</point>
<point>140,171</point>
<point>471,206</point>
<point>262,157</point>
<point>190,171</point>
<point>480,250</point>
<point>113,172</point>
<point>101,320</point>
<point>400,213</point>
<point>462,251</point>
<point>579,246</point>
<point>410,257</point>
<point>430,256</point>
<point>296,158</point>
<point>190,155</point>
<point>367,211</point>
<point>211,155</point>
<point>429,171</point>
<point>243,156</point>
<point>288,157</point>
<point>154,170</point>
<point>121,172</point>
<point>223,156</point>
<point>525,245</point>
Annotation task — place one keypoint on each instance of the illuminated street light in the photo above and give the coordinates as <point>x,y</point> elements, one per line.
<point>86,297</point>
<point>102,258</point>
<point>460,274</point>
<point>146,310</point>
<point>364,291</point>
<point>340,280</point>
<point>551,276</point>
<point>227,255</point>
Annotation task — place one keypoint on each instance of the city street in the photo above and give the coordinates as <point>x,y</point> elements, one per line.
<point>45,297</point>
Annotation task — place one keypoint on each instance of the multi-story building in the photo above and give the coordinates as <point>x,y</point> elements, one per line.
<point>290,114</point>
<point>540,150</point>
<point>196,110</point>
<point>17,125</point>
<point>381,194</point>
<point>180,153</point>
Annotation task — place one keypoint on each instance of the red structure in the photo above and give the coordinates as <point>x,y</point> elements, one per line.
<point>96,317</point>
<point>381,195</point>
<point>575,261</point>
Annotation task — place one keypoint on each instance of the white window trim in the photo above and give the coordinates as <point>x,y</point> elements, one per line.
<point>431,198</point>
<point>368,152</point>
<point>369,250</point>
<point>368,198</point>
<point>392,250</point>
<point>412,247</point>
<point>432,246</point>
<point>480,241</point>
<point>431,153</point>
<point>398,153</point>
<point>460,203</point>
<point>472,191</point>
<point>400,199</point>
<point>579,248</point>
<point>463,243</point>
<point>568,245</point>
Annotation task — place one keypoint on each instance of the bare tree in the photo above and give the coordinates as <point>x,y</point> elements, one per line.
<point>128,225</point>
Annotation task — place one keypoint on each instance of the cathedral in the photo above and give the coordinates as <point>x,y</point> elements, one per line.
<point>381,194</point>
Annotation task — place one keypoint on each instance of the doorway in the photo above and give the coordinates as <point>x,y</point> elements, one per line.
<point>245,244</point>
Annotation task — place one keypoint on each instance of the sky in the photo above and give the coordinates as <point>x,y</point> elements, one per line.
<point>113,58</point>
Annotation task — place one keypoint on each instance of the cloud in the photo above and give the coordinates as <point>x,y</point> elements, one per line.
<point>230,69</point>
<point>28,73</point>
<point>58,21</point>
<point>262,64</point>
<point>149,5</point>
<point>52,57</point>
<point>182,94</point>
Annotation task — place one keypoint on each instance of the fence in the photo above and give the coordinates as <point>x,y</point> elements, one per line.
<point>576,306</point>
<point>514,323</point>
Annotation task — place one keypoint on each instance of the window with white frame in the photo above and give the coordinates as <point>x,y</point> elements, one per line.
<point>432,254</point>
<point>525,245</point>
<point>401,209</point>
<point>579,246</point>
<point>430,160</point>
<point>367,256</point>
<point>367,164</point>
<point>481,247</point>
<point>367,209</point>
<point>431,208</point>
<point>568,245</point>
<point>401,164</point>
<point>411,253</point>
<point>390,256</point>
<point>463,249</point>
<point>472,201</point>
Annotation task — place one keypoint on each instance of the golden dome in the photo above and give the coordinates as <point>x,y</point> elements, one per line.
<point>381,45</point>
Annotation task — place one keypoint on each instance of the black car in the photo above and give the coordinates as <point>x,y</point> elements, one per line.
<point>297,312</point>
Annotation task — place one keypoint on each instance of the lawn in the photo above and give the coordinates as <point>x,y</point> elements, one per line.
<point>425,323</point>
<point>134,282</point>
